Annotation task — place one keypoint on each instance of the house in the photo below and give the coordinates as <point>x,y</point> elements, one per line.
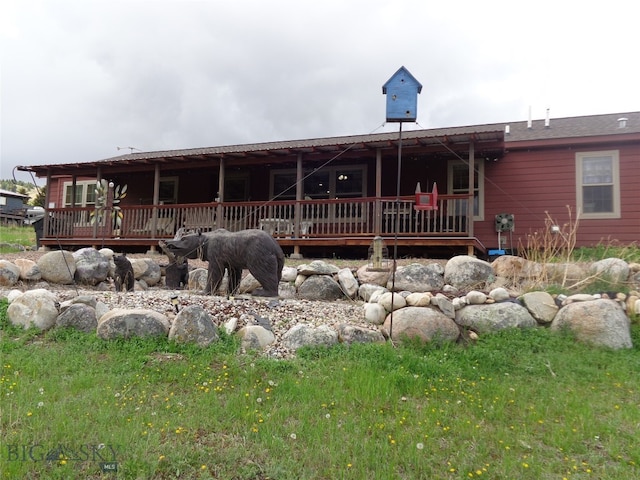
<point>12,207</point>
<point>329,195</point>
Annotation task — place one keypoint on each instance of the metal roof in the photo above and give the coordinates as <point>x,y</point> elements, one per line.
<point>559,128</point>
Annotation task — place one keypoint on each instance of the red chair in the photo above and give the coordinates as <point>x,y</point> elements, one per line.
<point>427,201</point>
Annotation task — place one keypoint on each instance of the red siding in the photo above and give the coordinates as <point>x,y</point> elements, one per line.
<point>530,183</point>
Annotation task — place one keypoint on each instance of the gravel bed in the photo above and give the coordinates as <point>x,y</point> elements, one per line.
<point>282,314</point>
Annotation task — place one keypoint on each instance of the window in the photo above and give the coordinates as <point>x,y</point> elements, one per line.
<point>458,183</point>
<point>330,182</point>
<point>168,191</point>
<point>85,194</point>
<point>236,188</point>
<point>598,184</point>
<point>85,197</point>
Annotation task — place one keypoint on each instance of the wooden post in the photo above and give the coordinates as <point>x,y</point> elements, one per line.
<point>219,213</point>
<point>297,215</point>
<point>95,223</point>
<point>472,172</point>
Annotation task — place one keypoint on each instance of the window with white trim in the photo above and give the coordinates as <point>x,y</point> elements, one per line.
<point>458,184</point>
<point>598,184</point>
<point>85,194</point>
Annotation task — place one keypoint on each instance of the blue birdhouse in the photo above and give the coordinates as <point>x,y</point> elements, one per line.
<point>402,91</point>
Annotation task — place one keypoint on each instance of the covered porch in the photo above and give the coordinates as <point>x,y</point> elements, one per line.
<point>301,227</point>
<point>309,194</point>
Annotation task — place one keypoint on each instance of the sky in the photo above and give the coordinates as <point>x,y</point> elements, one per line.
<point>84,80</point>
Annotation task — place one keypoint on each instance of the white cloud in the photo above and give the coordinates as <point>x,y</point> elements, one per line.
<point>80,78</point>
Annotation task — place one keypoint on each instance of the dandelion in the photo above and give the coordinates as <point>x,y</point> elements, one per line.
<point>293,436</point>
<point>203,467</point>
<point>41,391</point>
<point>40,404</point>
<point>29,414</point>
<point>420,446</point>
<point>259,400</point>
<point>328,415</point>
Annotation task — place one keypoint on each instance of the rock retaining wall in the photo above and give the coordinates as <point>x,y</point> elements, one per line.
<point>466,297</point>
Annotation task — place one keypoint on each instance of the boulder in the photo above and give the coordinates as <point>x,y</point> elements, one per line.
<point>541,306</point>
<point>424,323</point>
<point>348,282</point>
<point>248,284</point>
<point>317,267</point>
<point>563,273</point>
<point>353,334</point>
<point>29,270</point>
<point>418,278</point>
<point>9,273</point>
<point>374,277</point>
<point>420,299</point>
<point>13,294</point>
<point>57,267</point>
<point>198,279</point>
<point>366,290</point>
<point>466,272</point>
<point>320,287</point>
<point>374,313</point>
<point>138,322</point>
<point>392,301</point>
<point>303,334</point>
<point>78,316</point>
<point>515,269</point>
<point>445,305</point>
<point>614,270</point>
<point>499,294</point>
<point>255,337</point>
<point>193,325</point>
<point>91,266</point>
<point>286,290</point>
<point>289,274</point>
<point>34,308</point>
<point>495,316</point>
<point>475,297</point>
<point>598,322</point>
<point>147,270</point>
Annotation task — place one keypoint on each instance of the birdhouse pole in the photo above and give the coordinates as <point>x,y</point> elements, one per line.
<point>402,91</point>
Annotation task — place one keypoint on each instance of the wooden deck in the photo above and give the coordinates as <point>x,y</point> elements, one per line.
<point>304,227</point>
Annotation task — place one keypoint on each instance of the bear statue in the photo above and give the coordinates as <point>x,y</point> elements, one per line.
<point>253,249</point>
<point>123,276</point>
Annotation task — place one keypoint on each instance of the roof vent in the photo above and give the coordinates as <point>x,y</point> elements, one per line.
<point>546,120</point>
<point>622,122</point>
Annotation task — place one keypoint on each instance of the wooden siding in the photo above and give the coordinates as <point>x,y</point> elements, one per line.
<point>529,184</point>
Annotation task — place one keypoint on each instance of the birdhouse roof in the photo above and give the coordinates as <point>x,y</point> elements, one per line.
<point>402,71</point>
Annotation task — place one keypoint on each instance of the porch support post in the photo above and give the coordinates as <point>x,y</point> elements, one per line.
<point>472,173</point>
<point>74,185</point>
<point>156,201</point>
<point>377,210</point>
<point>219,213</point>
<point>297,215</point>
<point>47,203</point>
<point>95,223</point>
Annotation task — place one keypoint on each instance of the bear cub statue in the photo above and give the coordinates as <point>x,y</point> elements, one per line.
<point>123,276</point>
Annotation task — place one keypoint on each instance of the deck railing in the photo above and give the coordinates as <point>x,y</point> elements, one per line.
<point>303,219</point>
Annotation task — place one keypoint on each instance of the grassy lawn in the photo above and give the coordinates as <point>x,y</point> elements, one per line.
<point>23,235</point>
<point>519,404</point>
